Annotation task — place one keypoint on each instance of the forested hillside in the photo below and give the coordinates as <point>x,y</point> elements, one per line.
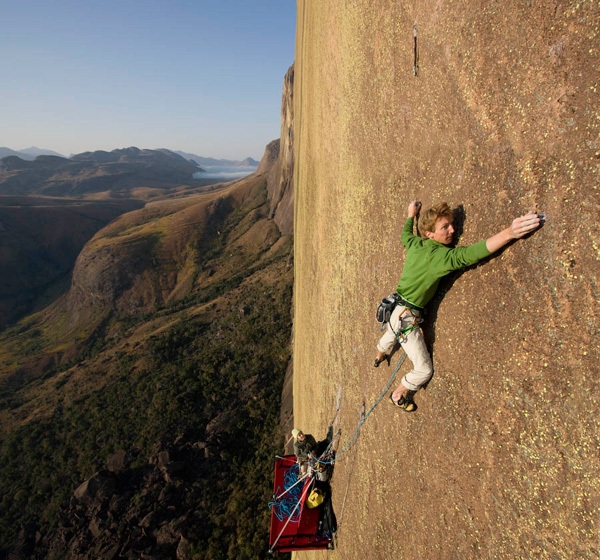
<point>140,415</point>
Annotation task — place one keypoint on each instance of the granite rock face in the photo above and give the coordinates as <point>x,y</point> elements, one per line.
<point>278,162</point>
<point>502,117</point>
<point>281,177</point>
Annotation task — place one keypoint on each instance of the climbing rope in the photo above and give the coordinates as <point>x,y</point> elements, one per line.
<point>401,337</point>
<point>287,508</point>
<point>364,417</point>
<point>295,494</point>
<point>293,515</point>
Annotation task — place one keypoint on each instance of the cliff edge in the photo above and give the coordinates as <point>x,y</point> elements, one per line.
<point>493,108</point>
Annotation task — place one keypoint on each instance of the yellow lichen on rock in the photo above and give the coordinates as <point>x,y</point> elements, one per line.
<point>501,458</point>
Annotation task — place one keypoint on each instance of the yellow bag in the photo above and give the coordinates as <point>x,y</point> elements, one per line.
<point>315,498</point>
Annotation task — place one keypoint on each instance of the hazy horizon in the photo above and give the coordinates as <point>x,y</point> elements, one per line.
<point>34,149</point>
<point>224,172</point>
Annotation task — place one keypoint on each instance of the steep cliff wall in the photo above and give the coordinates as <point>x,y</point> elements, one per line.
<point>40,239</point>
<point>280,181</point>
<point>501,458</point>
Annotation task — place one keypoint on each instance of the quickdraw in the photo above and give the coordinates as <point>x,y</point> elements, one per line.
<point>403,332</point>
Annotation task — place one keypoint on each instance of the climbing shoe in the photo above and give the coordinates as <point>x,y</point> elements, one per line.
<point>407,405</point>
<point>399,403</point>
<point>385,358</point>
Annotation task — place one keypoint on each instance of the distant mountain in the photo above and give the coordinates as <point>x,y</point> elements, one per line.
<point>119,171</point>
<point>250,162</point>
<point>35,152</point>
<point>130,155</point>
<point>212,162</point>
<point>28,154</point>
<point>5,152</point>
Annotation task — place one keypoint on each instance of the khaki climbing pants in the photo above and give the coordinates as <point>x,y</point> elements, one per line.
<point>413,344</point>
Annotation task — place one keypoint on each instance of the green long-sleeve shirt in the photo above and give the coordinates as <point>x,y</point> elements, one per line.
<point>428,261</point>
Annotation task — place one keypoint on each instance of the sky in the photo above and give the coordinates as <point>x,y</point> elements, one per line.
<point>200,76</point>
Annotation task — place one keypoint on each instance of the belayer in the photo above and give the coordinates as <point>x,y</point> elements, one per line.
<point>304,447</point>
<point>428,259</point>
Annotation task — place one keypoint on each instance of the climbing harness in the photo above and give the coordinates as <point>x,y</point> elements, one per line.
<point>403,332</point>
<point>385,309</point>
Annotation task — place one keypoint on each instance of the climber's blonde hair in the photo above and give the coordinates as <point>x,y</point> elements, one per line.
<point>428,219</point>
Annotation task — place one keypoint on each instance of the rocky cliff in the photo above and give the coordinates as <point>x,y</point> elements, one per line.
<point>493,108</point>
<point>149,259</point>
<point>281,180</point>
<point>40,239</point>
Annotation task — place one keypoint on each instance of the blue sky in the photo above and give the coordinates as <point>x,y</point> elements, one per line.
<point>200,76</point>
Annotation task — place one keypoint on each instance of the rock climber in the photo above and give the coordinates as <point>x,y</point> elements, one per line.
<point>304,445</point>
<point>428,259</point>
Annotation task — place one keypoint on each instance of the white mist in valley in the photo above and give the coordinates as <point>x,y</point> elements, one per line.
<point>224,172</point>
